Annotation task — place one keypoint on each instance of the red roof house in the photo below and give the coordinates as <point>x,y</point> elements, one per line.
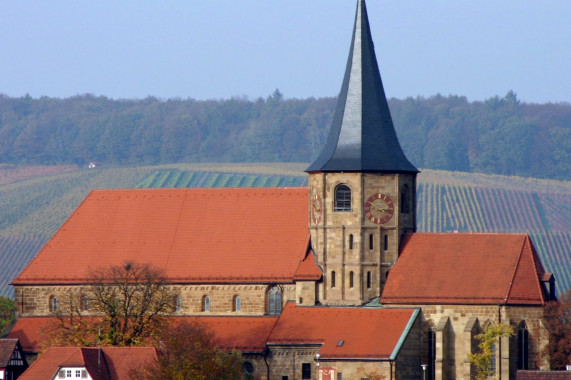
<point>99,363</point>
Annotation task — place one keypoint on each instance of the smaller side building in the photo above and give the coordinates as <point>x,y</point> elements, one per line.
<point>12,360</point>
<point>89,363</point>
<point>465,282</point>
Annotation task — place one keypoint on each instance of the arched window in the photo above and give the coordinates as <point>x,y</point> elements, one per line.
<point>342,198</point>
<point>274,301</point>
<point>177,304</point>
<point>206,303</point>
<point>236,304</point>
<point>53,304</point>
<point>431,349</point>
<point>522,346</point>
<point>369,280</point>
<point>351,279</point>
<point>493,358</point>
<point>404,199</point>
<point>333,279</point>
<point>351,241</point>
<point>371,241</point>
<point>85,303</point>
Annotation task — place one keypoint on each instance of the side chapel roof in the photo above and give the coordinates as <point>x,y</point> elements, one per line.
<point>226,235</point>
<point>464,268</point>
<point>362,136</point>
<point>345,332</point>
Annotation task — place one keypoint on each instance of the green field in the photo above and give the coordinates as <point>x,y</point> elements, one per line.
<point>35,201</point>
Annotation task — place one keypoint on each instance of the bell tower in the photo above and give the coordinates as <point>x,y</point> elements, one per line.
<point>362,187</point>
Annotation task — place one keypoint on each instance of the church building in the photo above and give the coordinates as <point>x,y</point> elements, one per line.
<point>331,281</point>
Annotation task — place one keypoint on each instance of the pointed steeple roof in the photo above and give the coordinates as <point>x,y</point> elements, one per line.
<point>362,135</point>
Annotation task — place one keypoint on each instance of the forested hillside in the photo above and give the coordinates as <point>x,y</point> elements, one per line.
<point>500,135</point>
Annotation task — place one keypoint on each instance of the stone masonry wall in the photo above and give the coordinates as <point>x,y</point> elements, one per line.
<point>456,347</point>
<point>35,300</point>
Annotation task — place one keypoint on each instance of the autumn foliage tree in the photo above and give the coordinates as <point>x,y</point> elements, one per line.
<point>7,313</point>
<point>122,305</point>
<point>188,351</point>
<point>489,339</point>
<point>558,322</point>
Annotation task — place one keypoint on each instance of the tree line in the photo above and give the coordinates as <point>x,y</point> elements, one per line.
<point>500,135</point>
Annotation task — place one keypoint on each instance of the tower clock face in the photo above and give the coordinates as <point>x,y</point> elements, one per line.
<point>379,208</point>
<point>316,209</point>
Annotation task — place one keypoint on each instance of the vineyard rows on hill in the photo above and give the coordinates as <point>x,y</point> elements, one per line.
<point>546,217</point>
<point>33,209</point>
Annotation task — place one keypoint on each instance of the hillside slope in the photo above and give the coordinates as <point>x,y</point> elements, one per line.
<point>34,202</point>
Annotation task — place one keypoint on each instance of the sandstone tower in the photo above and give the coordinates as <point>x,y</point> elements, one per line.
<point>362,187</point>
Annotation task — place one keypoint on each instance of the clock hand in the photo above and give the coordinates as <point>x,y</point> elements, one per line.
<point>377,207</point>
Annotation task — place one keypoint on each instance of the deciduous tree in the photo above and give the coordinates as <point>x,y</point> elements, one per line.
<point>121,305</point>
<point>489,339</point>
<point>188,351</point>
<point>7,313</point>
<point>558,322</point>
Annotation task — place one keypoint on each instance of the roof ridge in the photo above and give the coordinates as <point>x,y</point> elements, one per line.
<point>536,262</point>
<point>515,271</point>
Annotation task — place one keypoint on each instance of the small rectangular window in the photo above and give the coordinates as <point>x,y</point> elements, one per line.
<point>77,373</point>
<point>306,370</point>
<point>285,378</point>
<point>68,373</point>
<point>339,376</point>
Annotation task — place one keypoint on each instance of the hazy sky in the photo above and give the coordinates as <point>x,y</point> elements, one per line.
<point>206,49</point>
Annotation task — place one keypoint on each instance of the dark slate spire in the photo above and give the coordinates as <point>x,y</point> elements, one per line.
<point>362,136</point>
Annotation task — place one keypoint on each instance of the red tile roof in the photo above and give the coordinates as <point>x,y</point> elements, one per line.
<point>345,332</point>
<point>196,235</point>
<point>246,334</point>
<point>7,347</point>
<point>110,363</point>
<point>366,332</point>
<point>29,330</point>
<point>308,269</point>
<point>465,269</point>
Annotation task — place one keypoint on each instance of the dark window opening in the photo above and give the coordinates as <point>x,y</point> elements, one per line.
<point>351,241</point>
<point>431,341</point>
<point>237,303</point>
<point>371,241</point>
<point>523,347</point>
<point>274,301</point>
<point>342,198</point>
<point>205,303</point>
<point>306,370</point>
<point>333,279</point>
<point>248,368</point>
<point>351,279</point>
<point>369,280</point>
<point>404,200</point>
<point>386,242</point>
<point>53,304</point>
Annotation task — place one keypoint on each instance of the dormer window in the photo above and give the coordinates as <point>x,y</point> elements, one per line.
<point>342,198</point>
